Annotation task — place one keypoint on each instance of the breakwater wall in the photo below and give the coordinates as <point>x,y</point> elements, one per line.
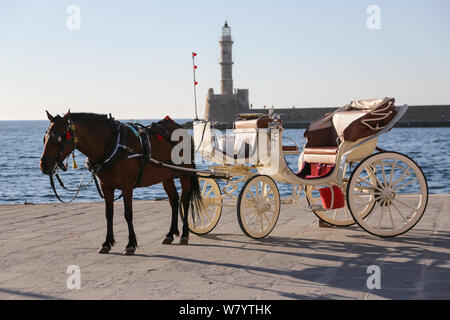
<point>298,118</point>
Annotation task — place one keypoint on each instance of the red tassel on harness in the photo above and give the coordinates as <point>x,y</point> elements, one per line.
<point>159,137</point>
<point>168,118</point>
<point>68,136</point>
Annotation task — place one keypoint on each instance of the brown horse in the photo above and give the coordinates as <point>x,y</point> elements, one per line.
<point>94,135</point>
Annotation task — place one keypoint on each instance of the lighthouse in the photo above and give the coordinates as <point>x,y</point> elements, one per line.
<point>226,60</point>
<point>224,107</point>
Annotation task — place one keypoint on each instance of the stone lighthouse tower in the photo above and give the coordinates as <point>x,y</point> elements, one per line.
<point>226,61</point>
<point>225,106</point>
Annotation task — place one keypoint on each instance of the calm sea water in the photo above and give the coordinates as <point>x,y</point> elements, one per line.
<point>22,181</point>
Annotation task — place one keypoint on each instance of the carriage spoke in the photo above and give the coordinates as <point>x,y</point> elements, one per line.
<point>263,190</point>
<point>209,192</point>
<point>253,196</point>
<point>402,177</point>
<point>392,172</point>
<point>383,173</point>
<point>267,218</point>
<point>359,181</point>
<point>363,195</point>
<point>249,203</point>
<point>372,213</point>
<point>363,188</point>
<point>249,218</point>
<point>335,213</point>
<point>390,215</point>
<point>257,190</point>
<point>207,216</point>
<point>398,188</point>
<point>204,188</point>
<point>378,182</point>
<point>381,216</point>
<point>406,205</point>
<point>266,196</point>
<point>398,211</point>
<point>200,218</point>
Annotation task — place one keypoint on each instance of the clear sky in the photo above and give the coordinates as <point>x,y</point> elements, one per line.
<point>133,58</point>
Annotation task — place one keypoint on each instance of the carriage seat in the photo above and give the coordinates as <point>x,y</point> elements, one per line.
<point>327,155</point>
<point>320,154</point>
<point>252,123</point>
<point>341,120</point>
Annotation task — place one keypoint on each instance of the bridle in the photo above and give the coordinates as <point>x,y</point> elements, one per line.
<point>61,140</point>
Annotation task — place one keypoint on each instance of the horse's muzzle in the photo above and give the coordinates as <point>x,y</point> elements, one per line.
<point>46,166</point>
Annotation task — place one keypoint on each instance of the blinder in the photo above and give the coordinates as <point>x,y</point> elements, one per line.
<point>60,140</point>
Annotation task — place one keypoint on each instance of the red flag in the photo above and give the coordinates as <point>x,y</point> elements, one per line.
<point>194,54</point>
<point>195,83</point>
<point>195,67</point>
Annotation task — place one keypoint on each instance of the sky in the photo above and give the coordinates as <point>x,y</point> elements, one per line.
<point>133,58</point>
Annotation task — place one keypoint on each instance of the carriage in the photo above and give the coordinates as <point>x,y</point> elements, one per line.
<point>343,175</point>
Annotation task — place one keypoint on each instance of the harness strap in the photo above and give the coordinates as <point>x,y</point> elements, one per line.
<point>146,155</point>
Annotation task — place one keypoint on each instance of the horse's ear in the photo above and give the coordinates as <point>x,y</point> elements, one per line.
<point>49,116</point>
<point>67,115</point>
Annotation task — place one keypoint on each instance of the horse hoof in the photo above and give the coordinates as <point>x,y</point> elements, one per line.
<point>184,241</point>
<point>104,250</point>
<point>167,240</point>
<point>130,251</point>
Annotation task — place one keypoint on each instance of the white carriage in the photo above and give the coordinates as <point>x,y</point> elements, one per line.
<point>343,177</point>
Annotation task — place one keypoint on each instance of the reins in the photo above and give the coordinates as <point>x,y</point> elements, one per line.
<point>77,191</point>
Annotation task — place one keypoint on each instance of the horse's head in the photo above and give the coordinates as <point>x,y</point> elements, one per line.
<point>59,142</point>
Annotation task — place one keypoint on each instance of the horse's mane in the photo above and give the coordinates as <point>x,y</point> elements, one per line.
<point>84,116</point>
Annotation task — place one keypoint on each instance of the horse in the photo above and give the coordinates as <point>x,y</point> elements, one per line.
<point>94,136</point>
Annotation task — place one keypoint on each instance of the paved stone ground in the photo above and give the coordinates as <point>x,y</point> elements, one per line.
<point>298,260</point>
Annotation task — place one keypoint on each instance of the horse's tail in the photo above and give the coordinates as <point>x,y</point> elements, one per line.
<point>195,198</point>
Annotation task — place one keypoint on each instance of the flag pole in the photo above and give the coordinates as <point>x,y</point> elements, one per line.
<point>194,67</point>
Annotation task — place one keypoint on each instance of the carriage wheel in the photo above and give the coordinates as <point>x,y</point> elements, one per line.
<point>258,206</point>
<point>395,186</point>
<point>337,217</point>
<point>209,216</point>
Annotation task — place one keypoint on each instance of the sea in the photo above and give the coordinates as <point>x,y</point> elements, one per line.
<point>21,146</point>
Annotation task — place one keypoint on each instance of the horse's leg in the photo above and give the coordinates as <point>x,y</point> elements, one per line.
<point>128,203</point>
<point>109,208</point>
<point>172,193</point>
<point>185,201</point>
